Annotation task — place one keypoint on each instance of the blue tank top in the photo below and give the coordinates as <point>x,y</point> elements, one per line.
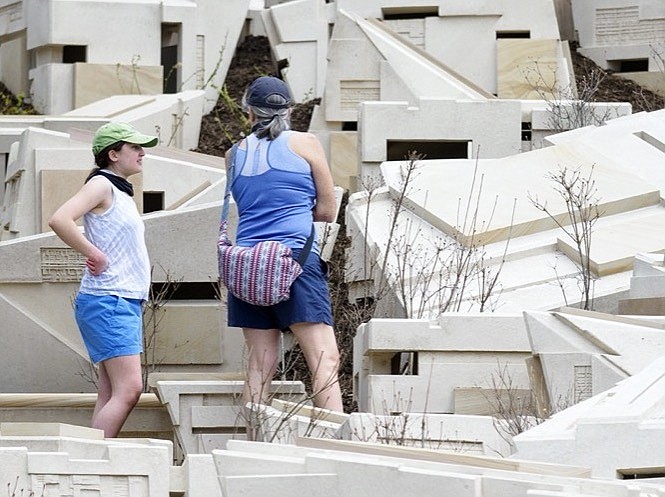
<point>275,193</point>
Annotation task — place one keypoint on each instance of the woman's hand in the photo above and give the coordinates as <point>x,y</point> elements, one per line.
<point>97,263</point>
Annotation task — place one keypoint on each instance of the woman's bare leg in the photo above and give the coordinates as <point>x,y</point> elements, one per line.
<point>319,346</point>
<point>262,360</point>
<point>103,390</point>
<point>263,351</point>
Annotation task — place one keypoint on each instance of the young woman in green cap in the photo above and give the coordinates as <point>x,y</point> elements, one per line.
<point>116,277</point>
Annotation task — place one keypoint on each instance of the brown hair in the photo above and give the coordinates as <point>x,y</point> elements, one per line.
<point>102,158</point>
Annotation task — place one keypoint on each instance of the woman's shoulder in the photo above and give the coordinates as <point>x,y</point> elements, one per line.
<point>239,145</point>
<point>98,185</point>
<point>301,138</point>
<point>96,194</point>
<point>298,134</point>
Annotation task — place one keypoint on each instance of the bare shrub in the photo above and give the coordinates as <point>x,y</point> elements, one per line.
<point>14,491</point>
<point>152,318</point>
<point>582,212</point>
<point>513,410</point>
<point>259,426</point>
<point>570,105</point>
<point>429,272</point>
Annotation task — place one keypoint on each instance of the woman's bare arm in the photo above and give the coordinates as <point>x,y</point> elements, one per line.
<point>309,147</point>
<point>94,195</point>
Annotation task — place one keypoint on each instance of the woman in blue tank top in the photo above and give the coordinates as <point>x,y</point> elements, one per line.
<point>281,185</point>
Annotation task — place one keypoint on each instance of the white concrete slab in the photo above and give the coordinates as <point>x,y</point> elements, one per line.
<point>615,433</point>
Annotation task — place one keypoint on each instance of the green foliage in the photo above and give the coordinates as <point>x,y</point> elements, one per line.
<point>135,87</point>
<point>233,111</point>
<point>14,105</point>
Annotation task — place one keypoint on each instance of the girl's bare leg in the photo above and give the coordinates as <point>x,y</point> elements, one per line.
<point>120,387</point>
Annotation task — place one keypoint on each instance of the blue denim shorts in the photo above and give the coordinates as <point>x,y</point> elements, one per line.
<point>309,302</point>
<point>111,326</point>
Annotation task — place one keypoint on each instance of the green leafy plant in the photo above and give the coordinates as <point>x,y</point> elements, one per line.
<point>135,87</point>
<point>14,105</point>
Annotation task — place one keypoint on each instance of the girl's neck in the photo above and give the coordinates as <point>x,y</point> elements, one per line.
<point>115,173</point>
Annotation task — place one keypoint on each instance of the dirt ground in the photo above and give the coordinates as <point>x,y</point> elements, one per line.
<point>613,88</point>
<point>225,124</point>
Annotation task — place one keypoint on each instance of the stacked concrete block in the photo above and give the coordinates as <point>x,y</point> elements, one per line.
<point>174,118</point>
<point>298,34</point>
<point>478,435</point>
<point>196,477</point>
<point>49,460</point>
<point>625,30</point>
<point>287,421</point>
<point>415,366</point>
<point>62,460</point>
<point>207,413</point>
<point>616,433</point>
<point>498,218</point>
<point>532,69</point>
<point>407,53</point>
<point>52,157</point>
<point>379,75</point>
<point>111,80</point>
<point>77,58</point>
<point>307,410</point>
<point>149,419</point>
<point>647,287</point>
<point>442,28</point>
<point>583,354</point>
<point>488,207</point>
<point>339,468</point>
<point>563,113</point>
<point>391,81</point>
<point>189,334</point>
<point>22,207</point>
<point>464,124</point>
<point>648,276</point>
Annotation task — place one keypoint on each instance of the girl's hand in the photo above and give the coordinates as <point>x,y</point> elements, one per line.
<point>97,263</point>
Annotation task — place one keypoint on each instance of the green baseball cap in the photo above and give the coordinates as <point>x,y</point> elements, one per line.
<point>111,133</point>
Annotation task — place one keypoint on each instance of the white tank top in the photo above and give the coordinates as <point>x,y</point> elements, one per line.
<point>120,234</point>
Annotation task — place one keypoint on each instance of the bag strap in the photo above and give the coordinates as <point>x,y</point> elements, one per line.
<point>229,179</point>
<point>308,246</point>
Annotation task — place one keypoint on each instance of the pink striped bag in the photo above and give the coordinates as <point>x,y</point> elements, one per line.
<point>261,274</point>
